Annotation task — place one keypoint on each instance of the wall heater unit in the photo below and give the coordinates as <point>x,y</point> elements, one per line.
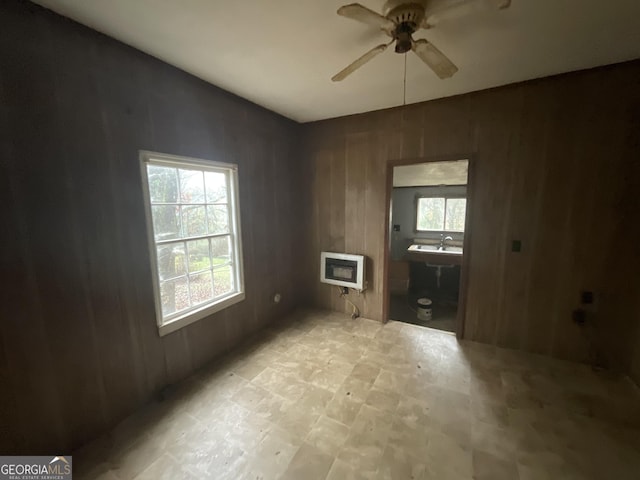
<point>343,269</point>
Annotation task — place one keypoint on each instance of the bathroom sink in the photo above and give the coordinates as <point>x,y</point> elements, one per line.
<point>435,254</point>
<point>423,248</point>
<point>435,248</point>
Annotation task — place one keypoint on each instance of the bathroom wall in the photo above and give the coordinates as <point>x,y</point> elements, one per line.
<point>403,213</point>
<point>550,162</point>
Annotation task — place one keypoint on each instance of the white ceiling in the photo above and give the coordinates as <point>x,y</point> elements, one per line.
<point>281,54</point>
<point>431,174</point>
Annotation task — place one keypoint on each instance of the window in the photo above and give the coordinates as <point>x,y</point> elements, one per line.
<point>193,226</point>
<point>441,214</point>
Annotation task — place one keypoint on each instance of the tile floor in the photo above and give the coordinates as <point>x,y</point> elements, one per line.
<point>325,397</point>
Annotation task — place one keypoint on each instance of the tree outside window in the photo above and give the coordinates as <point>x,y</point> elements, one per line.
<point>441,214</point>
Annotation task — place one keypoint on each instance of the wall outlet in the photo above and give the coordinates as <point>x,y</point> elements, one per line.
<point>516,246</point>
<point>579,317</point>
<point>587,297</point>
<point>276,298</point>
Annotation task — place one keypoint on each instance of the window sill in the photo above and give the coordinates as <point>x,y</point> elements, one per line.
<point>192,317</point>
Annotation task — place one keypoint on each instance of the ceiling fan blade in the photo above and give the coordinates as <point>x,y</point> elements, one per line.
<point>461,8</point>
<point>344,73</point>
<point>434,58</point>
<point>357,12</point>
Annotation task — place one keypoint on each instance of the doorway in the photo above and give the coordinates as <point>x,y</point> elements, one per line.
<point>427,242</point>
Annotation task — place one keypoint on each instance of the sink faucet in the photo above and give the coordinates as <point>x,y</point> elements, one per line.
<point>443,240</point>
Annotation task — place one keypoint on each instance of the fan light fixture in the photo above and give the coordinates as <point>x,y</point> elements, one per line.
<point>401,21</point>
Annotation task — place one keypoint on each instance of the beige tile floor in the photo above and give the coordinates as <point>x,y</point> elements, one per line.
<point>326,397</point>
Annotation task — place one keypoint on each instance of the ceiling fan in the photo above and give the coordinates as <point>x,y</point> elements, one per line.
<point>402,19</point>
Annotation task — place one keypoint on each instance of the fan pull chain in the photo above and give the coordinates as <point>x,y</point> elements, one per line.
<point>404,92</point>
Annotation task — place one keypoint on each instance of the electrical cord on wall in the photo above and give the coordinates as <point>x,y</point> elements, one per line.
<point>356,310</point>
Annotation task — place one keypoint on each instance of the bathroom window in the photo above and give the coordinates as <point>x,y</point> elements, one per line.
<point>441,214</point>
<point>194,236</point>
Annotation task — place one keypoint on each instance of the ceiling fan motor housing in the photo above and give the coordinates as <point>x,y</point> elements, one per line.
<point>403,38</point>
<point>407,17</point>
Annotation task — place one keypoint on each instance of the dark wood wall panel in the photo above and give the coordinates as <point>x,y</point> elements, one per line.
<point>620,332</point>
<point>555,166</point>
<point>79,347</point>
<point>553,160</point>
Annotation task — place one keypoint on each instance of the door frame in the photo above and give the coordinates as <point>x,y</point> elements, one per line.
<point>466,245</point>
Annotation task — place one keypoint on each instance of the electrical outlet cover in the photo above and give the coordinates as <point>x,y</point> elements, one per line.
<point>586,297</point>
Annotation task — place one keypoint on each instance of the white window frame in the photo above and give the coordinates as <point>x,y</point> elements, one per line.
<point>182,319</point>
<point>444,218</point>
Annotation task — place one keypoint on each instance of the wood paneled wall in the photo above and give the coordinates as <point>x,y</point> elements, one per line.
<point>79,347</point>
<point>551,165</point>
<point>619,330</point>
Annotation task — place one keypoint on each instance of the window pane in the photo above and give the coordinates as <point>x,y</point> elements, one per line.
<point>191,186</point>
<point>201,287</point>
<point>431,214</point>
<point>218,218</point>
<point>192,208</point>
<point>174,296</point>
<point>194,220</point>
<point>222,280</point>
<point>220,250</point>
<point>199,255</point>
<point>456,209</point>
<point>163,184</point>
<point>171,262</point>
<point>216,187</point>
<point>166,221</point>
